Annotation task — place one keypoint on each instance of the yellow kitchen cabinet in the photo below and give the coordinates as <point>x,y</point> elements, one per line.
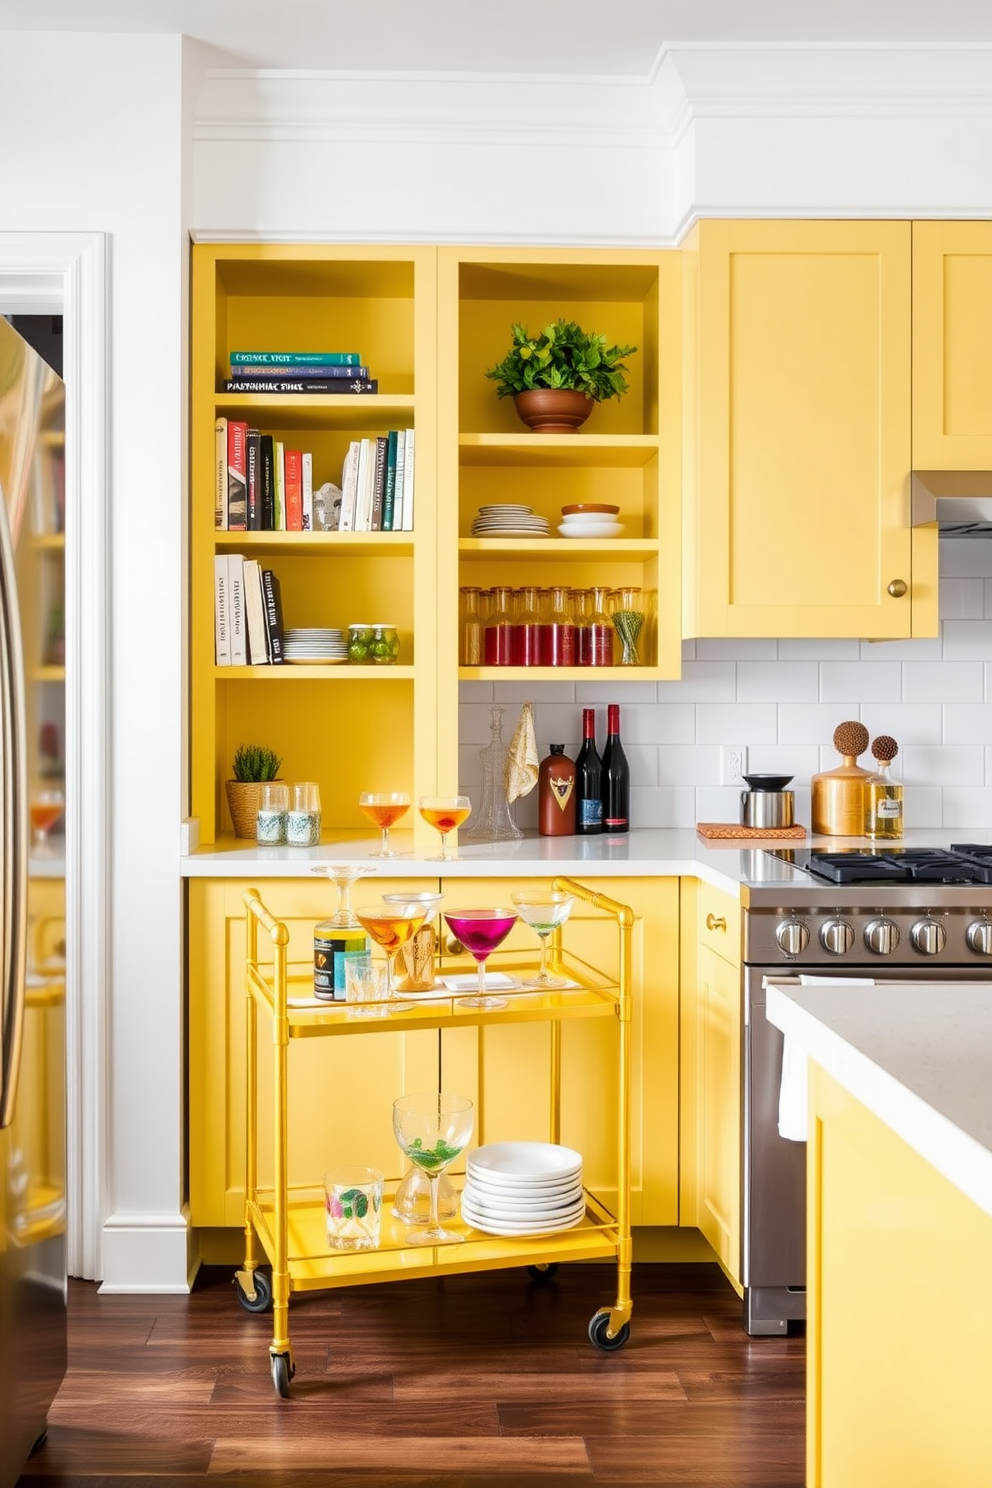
<point>711,1130</point>
<point>797,433</point>
<point>899,1310</point>
<point>952,349</point>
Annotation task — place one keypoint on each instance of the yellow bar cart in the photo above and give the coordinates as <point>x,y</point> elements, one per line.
<point>285,1225</point>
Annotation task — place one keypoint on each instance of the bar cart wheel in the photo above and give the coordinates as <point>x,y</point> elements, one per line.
<point>599,1325</point>
<point>262,1300</point>
<point>543,1273</point>
<point>283,1370</point>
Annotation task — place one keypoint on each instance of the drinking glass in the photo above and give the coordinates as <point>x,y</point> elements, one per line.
<point>391,926</point>
<point>480,932</point>
<point>543,910</point>
<point>353,1205</point>
<point>384,808</point>
<point>303,820</point>
<point>418,953</point>
<point>444,814</point>
<point>432,1130</point>
<point>342,876</point>
<point>46,809</point>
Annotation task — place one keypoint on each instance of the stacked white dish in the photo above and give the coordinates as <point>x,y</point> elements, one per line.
<point>590,519</point>
<point>523,1188</point>
<point>315,646</point>
<point>506,519</point>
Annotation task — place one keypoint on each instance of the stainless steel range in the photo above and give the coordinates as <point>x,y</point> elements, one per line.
<point>888,913</point>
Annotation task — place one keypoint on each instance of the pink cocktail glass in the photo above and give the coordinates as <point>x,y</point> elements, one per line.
<point>480,932</point>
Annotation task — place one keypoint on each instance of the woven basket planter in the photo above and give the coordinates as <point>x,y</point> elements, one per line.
<point>243,800</point>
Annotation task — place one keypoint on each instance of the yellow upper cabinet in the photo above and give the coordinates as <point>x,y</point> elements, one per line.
<point>952,348</point>
<point>797,447</point>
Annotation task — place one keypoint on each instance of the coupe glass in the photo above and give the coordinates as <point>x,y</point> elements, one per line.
<point>384,808</point>
<point>543,910</point>
<point>432,1130</point>
<point>46,808</point>
<point>481,931</point>
<point>343,875</point>
<point>391,926</point>
<point>444,814</point>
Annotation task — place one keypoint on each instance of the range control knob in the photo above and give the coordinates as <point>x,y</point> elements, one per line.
<point>793,937</point>
<point>979,937</point>
<point>882,937</point>
<point>929,937</point>
<point>836,937</point>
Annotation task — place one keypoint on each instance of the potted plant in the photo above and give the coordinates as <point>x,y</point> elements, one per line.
<point>252,764</point>
<point>555,378</point>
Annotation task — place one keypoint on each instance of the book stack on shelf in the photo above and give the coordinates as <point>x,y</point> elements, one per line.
<point>377,484</point>
<point>324,372</point>
<point>248,622</point>
<point>259,484</point>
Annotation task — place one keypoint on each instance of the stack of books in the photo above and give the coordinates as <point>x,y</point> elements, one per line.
<point>377,484</point>
<point>248,623</point>
<point>259,484</point>
<point>298,372</point>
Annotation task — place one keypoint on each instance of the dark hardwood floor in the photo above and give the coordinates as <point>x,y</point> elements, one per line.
<point>469,1382</point>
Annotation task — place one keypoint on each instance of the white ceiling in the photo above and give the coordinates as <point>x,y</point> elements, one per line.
<point>621,39</point>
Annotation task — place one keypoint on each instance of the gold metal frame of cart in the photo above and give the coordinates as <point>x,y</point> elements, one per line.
<point>283,1224</point>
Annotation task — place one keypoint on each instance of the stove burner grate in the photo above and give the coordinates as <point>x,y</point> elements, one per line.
<point>959,865</point>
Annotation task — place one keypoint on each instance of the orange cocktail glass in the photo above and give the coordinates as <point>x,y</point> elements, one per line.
<point>384,808</point>
<point>444,814</point>
<point>391,926</point>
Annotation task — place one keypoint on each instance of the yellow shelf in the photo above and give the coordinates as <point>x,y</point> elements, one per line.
<point>562,674</point>
<point>620,450</point>
<point>288,672</point>
<point>560,549</point>
<point>323,544</point>
<point>297,410</point>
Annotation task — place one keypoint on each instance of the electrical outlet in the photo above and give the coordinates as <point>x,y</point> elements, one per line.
<point>733,764</point>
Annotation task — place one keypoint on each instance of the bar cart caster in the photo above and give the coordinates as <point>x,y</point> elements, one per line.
<point>542,1272</point>
<point>254,1290</point>
<point>607,1331</point>
<point>283,1369</point>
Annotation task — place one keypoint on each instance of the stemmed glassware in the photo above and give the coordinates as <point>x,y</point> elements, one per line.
<point>444,814</point>
<point>384,808</point>
<point>480,932</point>
<point>391,926</point>
<point>543,910</point>
<point>46,808</point>
<point>342,876</point>
<point>432,1130</point>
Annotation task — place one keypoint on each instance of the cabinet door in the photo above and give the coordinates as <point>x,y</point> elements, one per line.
<point>952,349</point>
<point>719,1107</point>
<point>799,471</point>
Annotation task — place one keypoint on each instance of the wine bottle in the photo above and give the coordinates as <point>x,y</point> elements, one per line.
<point>616,777</point>
<point>588,780</point>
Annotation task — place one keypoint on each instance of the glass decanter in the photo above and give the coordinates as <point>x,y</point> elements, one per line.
<point>495,822</point>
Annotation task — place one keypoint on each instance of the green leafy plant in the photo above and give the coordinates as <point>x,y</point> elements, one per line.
<point>255,762</point>
<point>562,356</point>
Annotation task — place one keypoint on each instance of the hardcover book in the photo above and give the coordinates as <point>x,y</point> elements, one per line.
<point>307,491</point>
<point>398,484</point>
<point>220,475</point>
<point>274,632</point>
<point>268,484</point>
<point>258,654</point>
<point>296,358</point>
<point>301,385</point>
<point>237,476</point>
<point>293,460</point>
<point>349,487</point>
<point>254,461</point>
<point>222,634</point>
<point>305,369</point>
<point>363,486</point>
<point>379,482</point>
<point>389,494</point>
<point>236,609</point>
<point>408,483</point>
<point>279,486</point>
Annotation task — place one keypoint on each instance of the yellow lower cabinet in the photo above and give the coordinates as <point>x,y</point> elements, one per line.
<point>340,1090</point>
<point>899,1311</point>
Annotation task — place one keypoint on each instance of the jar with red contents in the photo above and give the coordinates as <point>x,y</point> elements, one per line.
<point>526,628</point>
<point>560,629</point>
<point>498,635</point>
<point>600,639</point>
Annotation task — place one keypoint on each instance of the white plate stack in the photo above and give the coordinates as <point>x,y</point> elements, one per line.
<point>523,1188</point>
<point>504,519</point>
<point>315,646</point>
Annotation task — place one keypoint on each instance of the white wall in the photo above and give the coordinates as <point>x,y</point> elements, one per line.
<point>92,132</point>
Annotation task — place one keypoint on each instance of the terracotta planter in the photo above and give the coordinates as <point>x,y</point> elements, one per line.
<point>553,410</point>
<point>243,800</point>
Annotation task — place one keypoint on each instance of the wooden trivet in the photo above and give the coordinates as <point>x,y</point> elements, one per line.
<point>726,830</point>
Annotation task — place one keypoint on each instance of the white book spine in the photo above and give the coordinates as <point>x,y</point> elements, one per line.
<point>398,487</point>
<point>408,482</point>
<point>222,632</point>
<point>279,485</point>
<point>255,613</point>
<point>349,477</point>
<point>307,467</point>
<point>236,609</point>
<point>363,491</point>
<point>220,475</point>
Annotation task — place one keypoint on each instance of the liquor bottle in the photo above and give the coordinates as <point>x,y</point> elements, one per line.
<point>556,794</point>
<point>883,795</point>
<point>616,777</point>
<point>588,780</point>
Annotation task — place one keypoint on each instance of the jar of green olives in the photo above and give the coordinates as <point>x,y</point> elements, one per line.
<point>373,645</point>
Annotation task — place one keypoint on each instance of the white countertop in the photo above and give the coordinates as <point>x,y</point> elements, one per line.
<point>918,1055</point>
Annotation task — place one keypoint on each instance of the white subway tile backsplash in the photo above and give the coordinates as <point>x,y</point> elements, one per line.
<point>530,692</point>
<point>662,806</point>
<point>824,650</point>
<point>965,558</point>
<point>908,723</point>
<point>967,723</point>
<point>964,599</point>
<point>688,764</point>
<point>734,648</point>
<point>943,681</point>
<point>967,640</point>
<point>770,681</point>
<point>921,650</point>
<point>736,723</point>
<point>867,681</point>
<point>615,692</point>
<point>812,723</point>
<point>798,760</point>
<point>688,650</point>
<point>930,764</point>
<point>967,806</point>
<point>475,692</point>
<point>643,762</point>
<point>922,807</point>
<point>662,723</point>
<point>718,803</point>
<point>702,682</point>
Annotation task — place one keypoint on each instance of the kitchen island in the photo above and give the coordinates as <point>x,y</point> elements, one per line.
<point>900,1231</point>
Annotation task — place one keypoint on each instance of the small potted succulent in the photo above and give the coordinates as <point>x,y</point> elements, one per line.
<point>555,378</point>
<point>252,765</point>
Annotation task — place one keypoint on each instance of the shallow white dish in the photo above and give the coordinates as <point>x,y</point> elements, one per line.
<point>540,1162</point>
<point>591,529</point>
<point>509,1228</point>
<point>529,1192</point>
<point>511,1207</point>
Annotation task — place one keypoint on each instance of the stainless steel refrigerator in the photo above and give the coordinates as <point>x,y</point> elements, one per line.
<point>32,895</point>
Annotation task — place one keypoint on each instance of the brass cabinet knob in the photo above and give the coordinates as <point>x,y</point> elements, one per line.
<point>898,588</point>
<point>715,922</point>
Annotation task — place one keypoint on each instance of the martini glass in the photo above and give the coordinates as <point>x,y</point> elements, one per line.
<point>391,926</point>
<point>45,809</point>
<point>343,875</point>
<point>432,1130</point>
<point>445,813</point>
<point>481,931</point>
<point>384,808</point>
<point>543,910</point>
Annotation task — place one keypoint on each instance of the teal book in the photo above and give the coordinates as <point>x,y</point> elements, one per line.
<point>295,359</point>
<point>389,494</point>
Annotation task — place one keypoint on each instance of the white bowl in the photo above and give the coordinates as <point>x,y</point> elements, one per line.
<point>525,1162</point>
<point>590,529</point>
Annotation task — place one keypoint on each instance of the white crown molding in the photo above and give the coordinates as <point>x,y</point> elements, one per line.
<point>69,271</point>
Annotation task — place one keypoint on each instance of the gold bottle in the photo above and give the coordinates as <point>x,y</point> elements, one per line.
<point>883,795</point>
<point>837,797</point>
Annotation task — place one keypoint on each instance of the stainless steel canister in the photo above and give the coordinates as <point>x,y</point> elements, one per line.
<point>767,808</point>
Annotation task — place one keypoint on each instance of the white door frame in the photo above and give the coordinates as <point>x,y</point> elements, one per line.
<point>66,273</point>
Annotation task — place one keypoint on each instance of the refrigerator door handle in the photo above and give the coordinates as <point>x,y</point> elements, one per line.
<point>14,829</point>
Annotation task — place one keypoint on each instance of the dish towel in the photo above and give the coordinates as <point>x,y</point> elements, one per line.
<point>793,1095</point>
<point>522,763</point>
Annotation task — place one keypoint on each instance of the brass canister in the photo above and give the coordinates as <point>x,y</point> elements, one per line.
<point>418,958</point>
<point>837,797</point>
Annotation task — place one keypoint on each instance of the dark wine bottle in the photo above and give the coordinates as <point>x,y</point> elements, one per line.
<point>616,777</point>
<point>588,780</point>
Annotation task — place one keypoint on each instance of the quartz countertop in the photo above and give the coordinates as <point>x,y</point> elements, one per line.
<point>916,1054</point>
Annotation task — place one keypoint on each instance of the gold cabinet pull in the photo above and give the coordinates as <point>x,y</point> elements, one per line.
<point>898,588</point>
<point>715,922</point>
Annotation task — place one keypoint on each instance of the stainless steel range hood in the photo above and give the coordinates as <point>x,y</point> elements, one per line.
<point>959,501</point>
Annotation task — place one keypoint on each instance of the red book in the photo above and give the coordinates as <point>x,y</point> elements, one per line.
<point>294,490</point>
<point>237,476</point>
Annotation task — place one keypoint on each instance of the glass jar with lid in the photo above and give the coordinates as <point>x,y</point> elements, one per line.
<point>627,612</point>
<point>498,635</point>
